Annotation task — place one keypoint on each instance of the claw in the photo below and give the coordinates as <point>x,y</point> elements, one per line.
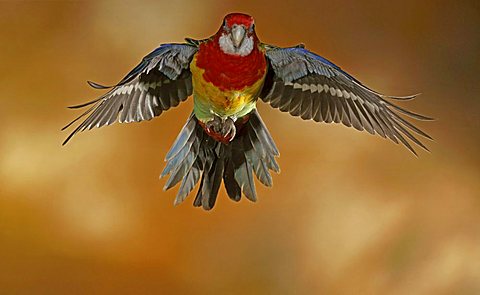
<point>228,129</point>
<point>234,132</point>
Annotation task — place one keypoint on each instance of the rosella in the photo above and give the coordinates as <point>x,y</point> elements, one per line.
<point>224,137</point>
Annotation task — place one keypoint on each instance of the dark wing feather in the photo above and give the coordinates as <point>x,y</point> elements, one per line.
<point>161,81</point>
<point>311,87</point>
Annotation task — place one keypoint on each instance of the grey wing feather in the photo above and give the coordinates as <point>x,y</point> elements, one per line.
<point>161,81</point>
<point>307,85</point>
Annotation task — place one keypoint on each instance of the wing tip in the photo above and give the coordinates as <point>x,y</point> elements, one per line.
<point>68,139</point>
<point>79,106</point>
<point>395,97</point>
<point>97,85</point>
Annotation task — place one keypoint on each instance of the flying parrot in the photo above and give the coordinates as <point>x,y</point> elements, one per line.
<point>227,74</point>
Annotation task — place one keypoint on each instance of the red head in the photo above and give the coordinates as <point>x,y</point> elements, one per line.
<point>237,34</point>
<point>238,19</point>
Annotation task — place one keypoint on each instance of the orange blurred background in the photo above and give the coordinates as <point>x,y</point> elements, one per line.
<point>349,214</point>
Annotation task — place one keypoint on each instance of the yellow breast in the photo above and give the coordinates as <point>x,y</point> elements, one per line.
<point>223,102</point>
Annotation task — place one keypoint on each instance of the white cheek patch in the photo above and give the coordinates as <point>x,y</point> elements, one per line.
<point>226,44</point>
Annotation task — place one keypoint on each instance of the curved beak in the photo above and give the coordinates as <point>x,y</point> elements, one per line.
<point>238,34</point>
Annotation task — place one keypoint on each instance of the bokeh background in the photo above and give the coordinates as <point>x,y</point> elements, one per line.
<point>350,213</point>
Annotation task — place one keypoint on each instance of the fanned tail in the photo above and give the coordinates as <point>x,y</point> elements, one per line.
<point>196,156</point>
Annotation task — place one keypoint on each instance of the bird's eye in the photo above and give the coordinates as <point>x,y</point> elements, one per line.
<point>225,26</point>
<point>252,27</point>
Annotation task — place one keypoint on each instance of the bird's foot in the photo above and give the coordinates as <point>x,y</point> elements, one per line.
<point>214,125</point>
<point>225,127</point>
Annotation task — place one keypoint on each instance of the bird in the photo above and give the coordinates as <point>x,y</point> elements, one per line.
<point>226,75</point>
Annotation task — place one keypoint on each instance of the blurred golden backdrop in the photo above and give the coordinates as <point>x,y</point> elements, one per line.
<point>349,214</point>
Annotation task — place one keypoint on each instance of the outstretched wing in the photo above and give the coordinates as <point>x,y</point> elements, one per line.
<point>311,87</point>
<point>159,82</point>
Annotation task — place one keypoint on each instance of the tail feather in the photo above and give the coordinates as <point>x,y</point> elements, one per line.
<point>243,170</point>
<point>213,179</point>
<point>181,163</point>
<point>182,138</point>
<point>188,182</point>
<point>196,154</point>
<point>234,191</point>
